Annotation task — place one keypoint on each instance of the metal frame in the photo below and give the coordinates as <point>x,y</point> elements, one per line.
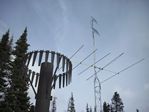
<point>54,67</point>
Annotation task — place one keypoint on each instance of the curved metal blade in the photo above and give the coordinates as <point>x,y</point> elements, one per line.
<point>52,57</point>
<point>46,56</point>
<point>37,79</point>
<point>33,74</point>
<point>40,57</point>
<point>63,79</point>
<point>34,57</point>
<point>60,80</point>
<point>66,78</point>
<point>29,73</point>
<point>70,71</point>
<point>54,81</point>
<point>29,58</point>
<point>67,65</point>
<point>63,63</point>
<point>58,59</point>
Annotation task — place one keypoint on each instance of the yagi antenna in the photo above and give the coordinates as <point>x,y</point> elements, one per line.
<point>84,59</point>
<point>74,53</point>
<point>122,70</point>
<point>106,65</point>
<point>97,83</point>
<point>94,63</point>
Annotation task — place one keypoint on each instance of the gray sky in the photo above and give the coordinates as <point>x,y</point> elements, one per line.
<point>64,25</point>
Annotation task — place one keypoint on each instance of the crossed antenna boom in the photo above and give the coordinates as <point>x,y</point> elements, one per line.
<point>84,59</point>
<point>94,64</point>
<point>106,65</point>
<point>122,70</point>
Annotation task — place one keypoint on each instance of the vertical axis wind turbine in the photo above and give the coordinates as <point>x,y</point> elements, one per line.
<point>97,84</point>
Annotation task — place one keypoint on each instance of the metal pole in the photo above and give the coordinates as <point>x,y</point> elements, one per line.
<point>97,85</point>
<point>44,88</point>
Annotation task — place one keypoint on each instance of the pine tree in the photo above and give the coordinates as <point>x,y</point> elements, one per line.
<point>137,110</point>
<point>106,107</point>
<point>117,104</point>
<point>5,67</point>
<point>71,105</point>
<point>17,97</point>
<point>32,108</point>
<point>87,108</point>
<point>90,109</point>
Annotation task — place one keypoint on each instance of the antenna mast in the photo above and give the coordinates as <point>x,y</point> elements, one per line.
<point>97,84</point>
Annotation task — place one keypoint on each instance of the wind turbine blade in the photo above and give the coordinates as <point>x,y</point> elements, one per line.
<point>70,71</point>
<point>29,73</point>
<point>52,57</point>
<point>63,79</point>
<point>37,78</point>
<point>58,59</point>
<point>60,80</point>
<point>47,55</point>
<point>34,57</point>
<point>54,81</point>
<point>33,74</point>
<point>63,63</point>
<point>66,78</point>
<point>29,58</point>
<point>40,57</point>
<point>67,65</point>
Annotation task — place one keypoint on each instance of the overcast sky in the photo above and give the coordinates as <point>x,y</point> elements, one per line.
<point>64,25</point>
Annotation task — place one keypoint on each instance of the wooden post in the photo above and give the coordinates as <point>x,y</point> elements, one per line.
<point>44,88</point>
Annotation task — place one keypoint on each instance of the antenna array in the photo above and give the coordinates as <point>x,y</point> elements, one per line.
<point>97,83</point>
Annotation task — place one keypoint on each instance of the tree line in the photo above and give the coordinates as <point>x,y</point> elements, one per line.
<point>13,83</point>
<point>115,106</point>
